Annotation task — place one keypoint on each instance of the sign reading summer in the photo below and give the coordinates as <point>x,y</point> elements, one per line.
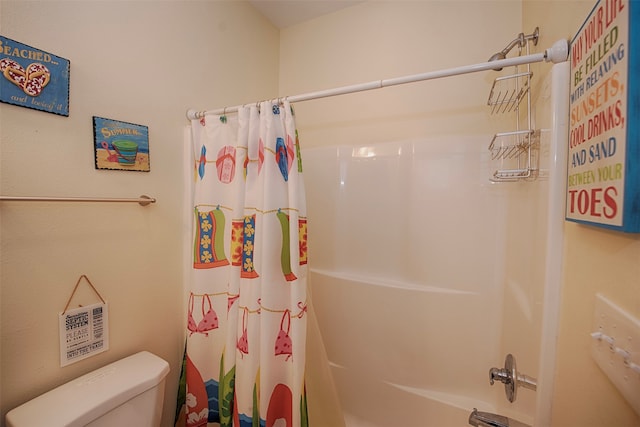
<point>120,145</point>
<point>603,182</point>
<point>32,78</point>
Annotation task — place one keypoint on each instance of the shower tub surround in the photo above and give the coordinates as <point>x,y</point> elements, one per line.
<point>416,286</point>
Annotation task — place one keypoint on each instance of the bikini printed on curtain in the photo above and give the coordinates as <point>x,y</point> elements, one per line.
<point>246,325</point>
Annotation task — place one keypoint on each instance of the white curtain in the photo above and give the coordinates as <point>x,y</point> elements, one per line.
<point>247,303</point>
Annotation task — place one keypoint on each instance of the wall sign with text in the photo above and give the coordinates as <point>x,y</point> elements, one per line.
<point>603,179</point>
<point>33,78</point>
<point>120,145</point>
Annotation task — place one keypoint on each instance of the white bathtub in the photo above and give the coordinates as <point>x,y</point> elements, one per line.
<point>395,405</point>
<point>417,372</point>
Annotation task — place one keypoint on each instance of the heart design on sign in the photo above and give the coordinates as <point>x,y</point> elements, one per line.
<point>31,80</point>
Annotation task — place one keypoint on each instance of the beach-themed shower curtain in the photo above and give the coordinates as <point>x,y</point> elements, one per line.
<point>247,304</point>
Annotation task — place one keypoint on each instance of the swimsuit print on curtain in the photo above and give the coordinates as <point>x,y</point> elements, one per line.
<point>245,357</point>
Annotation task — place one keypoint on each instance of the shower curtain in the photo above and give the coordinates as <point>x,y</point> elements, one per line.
<point>247,302</point>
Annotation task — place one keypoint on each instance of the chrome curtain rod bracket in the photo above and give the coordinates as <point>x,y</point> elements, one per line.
<point>143,200</point>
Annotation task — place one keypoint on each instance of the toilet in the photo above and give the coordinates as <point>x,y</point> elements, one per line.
<point>128,392</point>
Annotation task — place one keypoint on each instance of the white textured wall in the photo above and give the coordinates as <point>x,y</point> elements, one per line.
<point>141,62</point>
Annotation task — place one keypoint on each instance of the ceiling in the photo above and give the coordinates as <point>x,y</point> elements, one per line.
<point>285,13</point>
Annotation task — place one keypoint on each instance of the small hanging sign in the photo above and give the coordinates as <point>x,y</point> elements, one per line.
<point>603,180</point>
<point>84,331</point>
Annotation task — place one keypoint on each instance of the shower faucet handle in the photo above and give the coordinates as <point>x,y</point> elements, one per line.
<point>511,379</point>
<point>501,375</point>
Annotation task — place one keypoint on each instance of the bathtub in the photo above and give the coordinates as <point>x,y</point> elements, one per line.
<point>396,405</point>
<point>406,379</point>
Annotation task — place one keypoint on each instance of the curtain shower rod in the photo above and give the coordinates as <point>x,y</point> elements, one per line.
<point>557,53</point>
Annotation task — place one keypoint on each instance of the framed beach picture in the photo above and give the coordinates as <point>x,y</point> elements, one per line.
<point>33,78</point>
<point>120,145</point>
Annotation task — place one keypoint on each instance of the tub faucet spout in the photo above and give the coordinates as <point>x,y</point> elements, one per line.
<point>486,419</point>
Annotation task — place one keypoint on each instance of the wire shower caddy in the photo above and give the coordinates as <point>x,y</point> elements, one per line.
<point>516,152</point>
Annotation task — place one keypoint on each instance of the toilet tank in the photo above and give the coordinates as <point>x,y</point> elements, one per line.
<point>128,392</point>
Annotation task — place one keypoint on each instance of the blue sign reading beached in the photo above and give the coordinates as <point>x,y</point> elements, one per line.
<point>33,78</point>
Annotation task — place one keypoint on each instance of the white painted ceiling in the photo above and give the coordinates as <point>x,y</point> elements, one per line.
<point>285,13</point>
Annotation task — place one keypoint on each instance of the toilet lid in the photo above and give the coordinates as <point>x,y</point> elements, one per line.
<point>93,394</point>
